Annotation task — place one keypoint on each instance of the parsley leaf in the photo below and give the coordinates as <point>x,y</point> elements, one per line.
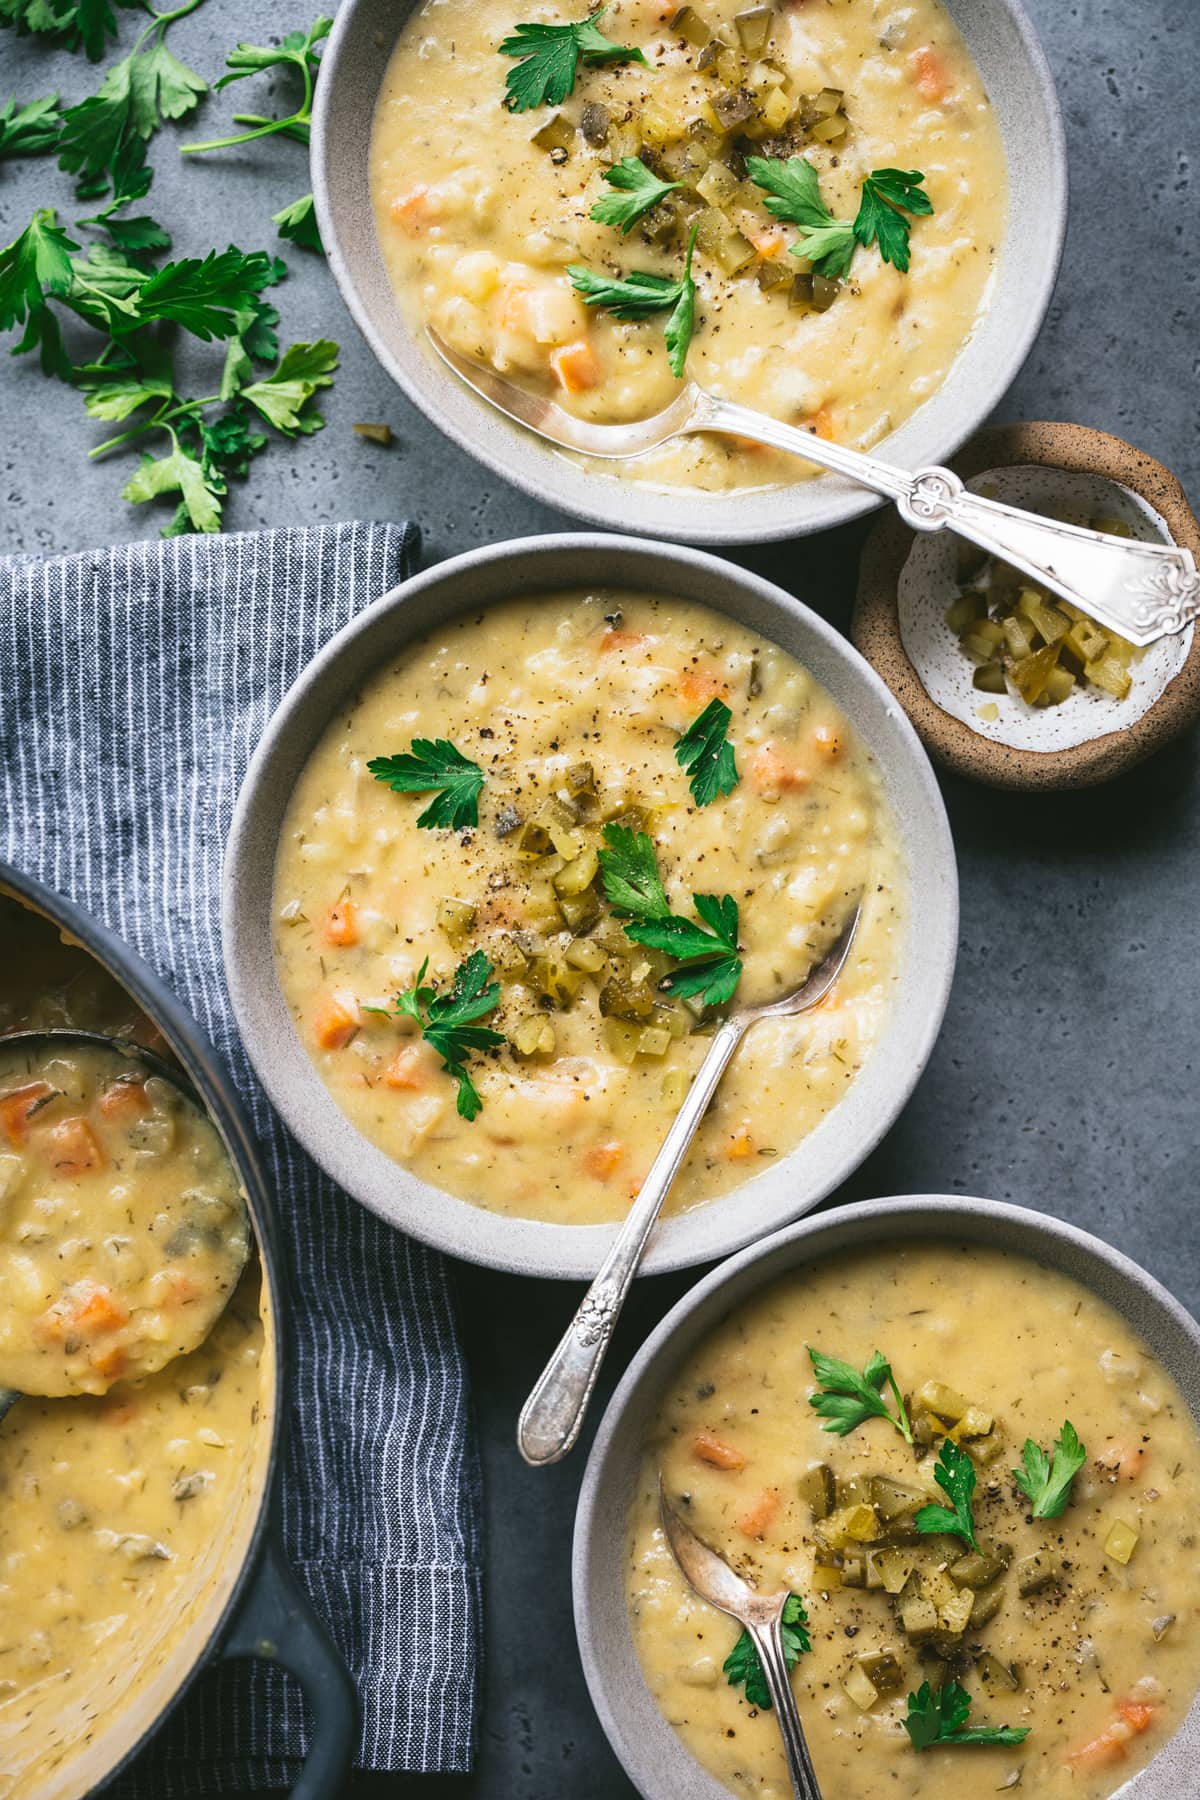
<point>887,194</point>
<point>1045,1482</point>
<point>200,488</point>
<point>550,55</point>
<point>954,1473</point>
<point>640,190</point>
<point>298,221</point>
<point>446,1020</point>
<point>206,295</point>
<point>847,1399</point>
<point>704,751</point>
<point>435,764</point>
<point>941,1719</point>
<point>793,191</point>
<point>32,129</point>
<point>629,869</point>
<point>743,1665</point>
<point>33,265</point>
<point>76,24</point>
<point>633,298</point>
<point>100,136</point>
<point>282,396</point>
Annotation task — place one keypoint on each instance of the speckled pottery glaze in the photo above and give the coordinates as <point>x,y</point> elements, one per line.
<point>1019,83</point>
<point>788,1186</point>
<point>907,580</point>
<point>653,1757</point>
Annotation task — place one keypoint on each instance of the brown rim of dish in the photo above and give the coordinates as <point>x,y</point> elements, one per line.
<point>875,629</point>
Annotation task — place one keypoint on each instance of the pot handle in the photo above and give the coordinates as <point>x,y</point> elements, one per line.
<point>276,1623</point>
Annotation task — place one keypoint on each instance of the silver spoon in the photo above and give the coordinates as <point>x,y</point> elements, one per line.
<point>57,1037</point>
<point>762,1615</point>
<point>1142,591</point>
<point>553,1414</point>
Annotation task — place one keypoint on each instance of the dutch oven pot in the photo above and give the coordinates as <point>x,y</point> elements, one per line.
<point>251,1604</point>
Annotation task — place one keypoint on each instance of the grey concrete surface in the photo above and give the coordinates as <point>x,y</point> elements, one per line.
<point>1065,1074</point>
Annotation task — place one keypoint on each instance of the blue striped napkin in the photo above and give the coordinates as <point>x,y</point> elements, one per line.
<point>134,684</point>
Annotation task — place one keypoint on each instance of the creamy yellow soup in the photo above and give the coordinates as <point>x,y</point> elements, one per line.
<point>122,1229</point>
<point>121,1516</point>
<point>481,211</point>
<point>597,1056</point>
<point>1079,1628</point>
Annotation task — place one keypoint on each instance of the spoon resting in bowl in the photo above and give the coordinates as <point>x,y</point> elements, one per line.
<point>1142,591</point>
<point>710,1576</point>
<point>552,1416</point>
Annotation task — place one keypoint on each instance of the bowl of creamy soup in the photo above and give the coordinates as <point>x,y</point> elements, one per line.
<point>847,215</point>
<point>139,1297</point>
<point>963,1437</point>
<point>465,852</point>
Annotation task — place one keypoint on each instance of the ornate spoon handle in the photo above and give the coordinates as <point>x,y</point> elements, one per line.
<point>1143,591</point>
<point>553,1414</point>
<point>768,1643</point>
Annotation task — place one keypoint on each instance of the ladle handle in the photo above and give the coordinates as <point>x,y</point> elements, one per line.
<point>768,1641</point>
<point>554,1412</point>
<point>1143,591</point>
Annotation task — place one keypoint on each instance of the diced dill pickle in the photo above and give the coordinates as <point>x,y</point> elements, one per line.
<point>818,1488</point>
<point>962,612</point>
<point>898,1531</point>
<point>1019,635</point>
<point>1121,1541</point>
<point>955,1615</point>
<point>556,978</point>
<point>978,1568</point>
<point>801,296</point>
<point>674,1087</point>
<point>944,1402</point>
<point>1087,640</point>
<point>883,1669</point>
<point>854,1570</point>
<point>1047,620</point>
<point>661,126</point>
<point>824,292</point>
<point>633,818</point>
<point>731,66</point>
<point>623,998</point>
<point>585,954</point>
<point>594,122</point>
<point>718,184</point>
<point>976,1423</point>
<point>1060,687</point>
<point>1111,675</point>
<point>849,1525</point>
<point>893,1499</point>
<point>541,905</point>
<point>985,1606</point>
<point>753,28</point>
<point>895,1567</point>
<point>580,910</point>
<point>918,1617</point>
<point>688,24</point>
<point>989,678</point>
<point>653,1041</point>
<point>827,101</point>
<point>974,644</point>
<point>772,275</point>
<point>532,840</point>
<point>579,873</point>
<point>508,955</point>
<point>708,56</point>
<point>456,918</point>
<point>1033,672</point>
<point>985,1450</point>
<point>580,778</point>
<point>860,1688</point>
<point>533,1036</point>
<point>1034,1573</point>
<point>830,130</point>
<point>621,1039</point>
<point>557,134</point>
<point>854,1490</point>
<point>732,106</point>
<point>558,818</point>
<point>774,111</point>
<point>924,1427</point>
<point>1000,1677</point>
<point>874,1572</point>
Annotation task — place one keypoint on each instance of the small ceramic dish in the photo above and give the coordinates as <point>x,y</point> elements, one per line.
<point>1006,51</point>
<point>907,580</point>
<point>786,1187</point>
<point>653,1756</point>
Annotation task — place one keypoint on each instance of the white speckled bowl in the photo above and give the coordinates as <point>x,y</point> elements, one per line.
<point>1015,74</point>
<point>653,1756</point>
<point>788,1186</point>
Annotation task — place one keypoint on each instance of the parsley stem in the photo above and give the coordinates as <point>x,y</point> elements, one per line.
<point>160,21</point>
<point>160,420</point>
<point>301,116</point>
<point>905,1426</point>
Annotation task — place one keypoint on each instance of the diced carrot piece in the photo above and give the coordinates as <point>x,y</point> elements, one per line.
<point>618,639</point>
<point>821,424</point>
<point>407,1067</point>
<point>1124,1461</point>
<point>1100,1752</point>
<point>98,1310</point>
<point>514,306</point>
<point>772,772</point>
<point>709,1448</point>
<point>175,1287</point>
<point>929,73</point>
<point>758,1516</point>
<point>602,1160</point>
<point>739,1146</point>
<point>747,446</point>
<point>337,1020</point>
<point>72,1149</point>
<point>341,924</point>
<point>412,211</point>
<point>1139,1715</point>
<point>110,1363</point>
<point>17,1108</point>
<point>699,686</point>
<point>768,243</point>
<point>827,740</point>
<point>125,1100</point>
<point>576,366</point>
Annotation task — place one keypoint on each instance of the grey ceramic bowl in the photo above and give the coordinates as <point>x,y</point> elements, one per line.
<point>527,567</point>
<point>654,1758</point>
<point>1015,74</point>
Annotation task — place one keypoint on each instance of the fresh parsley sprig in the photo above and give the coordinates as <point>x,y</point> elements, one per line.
<point>954,1473</point>
<point>447,1020</point>
<point>941,1718</point>
<point>1046,1481</point>
<point>709,951</point>
<point>29,130</point>
<point>639,190</point>
<point>793,191</point>
<point>549,60</point>
<point>743,1665</point>
<point>298,53</point>
<point>72,24</point>
<point>435,765</point>
<point>847,1399</point>
<point>706,753</point>
<point>632,298</point>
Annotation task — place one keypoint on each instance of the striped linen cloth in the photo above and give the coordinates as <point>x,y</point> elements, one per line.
<point>134,684</point>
